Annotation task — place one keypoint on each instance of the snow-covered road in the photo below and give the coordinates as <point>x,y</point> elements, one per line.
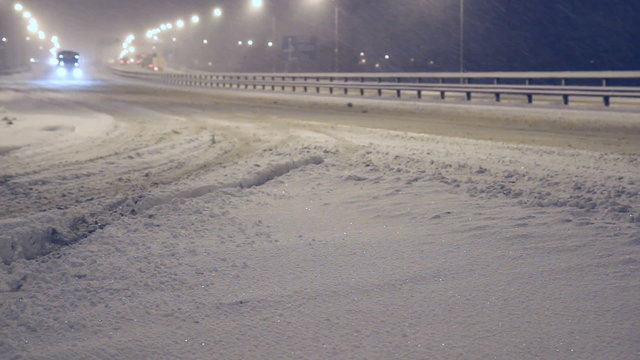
<point>146,222</point>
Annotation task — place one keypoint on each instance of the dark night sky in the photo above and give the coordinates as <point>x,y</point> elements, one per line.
<point>500,34</point>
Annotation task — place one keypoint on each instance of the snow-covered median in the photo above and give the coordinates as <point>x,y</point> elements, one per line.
<point>226,231</point>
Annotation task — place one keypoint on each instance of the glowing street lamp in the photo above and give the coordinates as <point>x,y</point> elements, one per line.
<point>26,15</point>
<point>18,7</point>
<point>217,12</point>
<point>180,24</point>
<point>257,3</point>
<point>195,19</point>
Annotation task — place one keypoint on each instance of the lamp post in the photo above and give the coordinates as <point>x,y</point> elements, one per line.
<point>336,22</point>
<point>461,36</point>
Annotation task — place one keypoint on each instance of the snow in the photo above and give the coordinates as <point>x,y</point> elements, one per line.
<point>160,224</point>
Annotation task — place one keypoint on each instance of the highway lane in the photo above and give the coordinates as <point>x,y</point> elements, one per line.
<point>250,225</point>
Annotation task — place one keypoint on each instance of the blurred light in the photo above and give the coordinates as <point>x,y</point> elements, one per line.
<point>180,24</point>
<point>155,37</point>
<point>195,19</point>
<point>377,66</point>
<point>26,15</point>
<point>174,39</point>
<point>361,54</point>
<point>28,38</point>
<point>54,39</point>
<point>4,39</point>
<point>33,21</point>
<point>387,57</point>
<point>217,12</point>
<point>42,35</point>
<point>18,7</point>
<point>53,61</point>
<point>163,27</point>
<point>32,60</point>
<point>270,44</point>
<point>33,28</point>
<point>132,49</point>
<point>205,41</point>
<point>77,73</point>
<point>125,45</point>
<point>169,26</point>
<point>250,42</point>
<point>61,72</point>
<point>240,43</point>
<point>130,38</point>
<point>257,3</point>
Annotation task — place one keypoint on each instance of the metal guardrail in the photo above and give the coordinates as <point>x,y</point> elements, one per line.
<point>529,85</point>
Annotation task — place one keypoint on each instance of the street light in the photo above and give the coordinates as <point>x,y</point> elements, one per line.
<point>180,24</point>
<point>257,3</point>
<point>217,12</point>
<point>461,35</point>
<point>18,7</point>
<point>195,19</point>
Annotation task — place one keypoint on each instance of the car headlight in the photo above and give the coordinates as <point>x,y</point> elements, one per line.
<point>61,72</point>
<point>77,73</point>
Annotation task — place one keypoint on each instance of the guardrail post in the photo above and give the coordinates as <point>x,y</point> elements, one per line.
<point>468,93</point>
<point>293,88</point>
<point>605,82</point>
<point>331,90</point>
<point>398,93</point>
<point>497,97</point>
<point>530,98</point>
<point>317,89</point>
<point>379,92</point>
<point>419,94</point>
<point>346,91</point>
<point>442,95</point>
<point>607,101</point>
<point>565,99</point>
<point>306,89</point>
<point>563,82</point>
<point>362,92</point>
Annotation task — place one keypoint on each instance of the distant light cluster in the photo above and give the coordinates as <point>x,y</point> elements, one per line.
<point>34,28</point>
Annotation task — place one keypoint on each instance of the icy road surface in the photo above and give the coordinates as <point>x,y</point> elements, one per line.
<point>157,223</point>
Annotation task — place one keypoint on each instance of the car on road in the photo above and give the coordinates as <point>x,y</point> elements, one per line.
<point>68,64</point>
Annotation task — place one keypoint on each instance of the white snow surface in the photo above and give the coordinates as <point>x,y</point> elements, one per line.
<point>162,228</point>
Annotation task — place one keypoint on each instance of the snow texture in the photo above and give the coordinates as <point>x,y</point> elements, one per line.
<point>146,223</point>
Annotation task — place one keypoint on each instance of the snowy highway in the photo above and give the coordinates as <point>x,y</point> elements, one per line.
<point>140,221</point>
